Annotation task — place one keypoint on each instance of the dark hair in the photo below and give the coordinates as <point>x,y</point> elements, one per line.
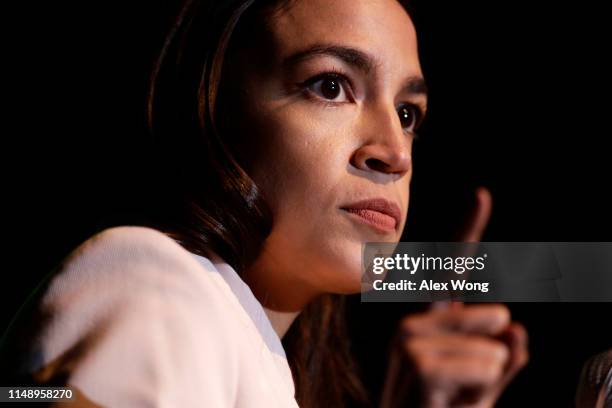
<point>214,205</point>
<point>220,208</point>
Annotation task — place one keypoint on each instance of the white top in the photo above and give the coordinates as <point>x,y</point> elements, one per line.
<point>138,321</point>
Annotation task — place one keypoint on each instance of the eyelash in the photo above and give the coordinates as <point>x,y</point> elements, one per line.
<point>418,121</point>
<point>345,81</point>
<point>335,74</point>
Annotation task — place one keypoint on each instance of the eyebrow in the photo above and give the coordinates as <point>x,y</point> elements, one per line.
<point>356,58</point>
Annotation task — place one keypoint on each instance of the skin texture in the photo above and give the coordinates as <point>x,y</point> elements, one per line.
<point>327,153</point>
<point>311,155</point>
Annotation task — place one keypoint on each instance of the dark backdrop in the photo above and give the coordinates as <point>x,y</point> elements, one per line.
<point>518,102</point>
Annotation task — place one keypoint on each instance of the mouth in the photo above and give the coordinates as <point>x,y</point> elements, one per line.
<point>382,215</point>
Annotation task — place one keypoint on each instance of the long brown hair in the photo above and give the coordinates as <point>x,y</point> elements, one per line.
<point>211,204</point>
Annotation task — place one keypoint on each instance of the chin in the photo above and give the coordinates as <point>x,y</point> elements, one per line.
<point>347,270</point>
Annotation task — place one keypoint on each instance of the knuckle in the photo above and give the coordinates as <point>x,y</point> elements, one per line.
<point>492,348</point>
<point>502,314</point>
<point>492,371</point>
<point>409,325</point>
<point>499,351</point>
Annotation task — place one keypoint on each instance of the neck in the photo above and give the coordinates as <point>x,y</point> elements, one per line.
<point>279,289</point>
<point>281,321</point>
<point>281,293</point>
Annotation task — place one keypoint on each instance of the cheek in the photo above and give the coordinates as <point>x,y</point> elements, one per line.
<point>304,158</point>
<point>403,194</point>
<point>303,179</point>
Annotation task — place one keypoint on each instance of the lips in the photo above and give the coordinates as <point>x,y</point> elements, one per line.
<point>379,213</point>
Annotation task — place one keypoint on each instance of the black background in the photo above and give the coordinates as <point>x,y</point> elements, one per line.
<point>518,102</point>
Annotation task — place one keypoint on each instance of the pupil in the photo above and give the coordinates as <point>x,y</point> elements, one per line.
<point>330,88</point>
<point>406,117</point>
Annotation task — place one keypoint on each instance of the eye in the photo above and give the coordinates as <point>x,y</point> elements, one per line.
<point>329,86</point>
<point>409,116</point>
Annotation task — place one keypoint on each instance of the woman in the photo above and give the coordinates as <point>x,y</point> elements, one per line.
<point>286,130</point>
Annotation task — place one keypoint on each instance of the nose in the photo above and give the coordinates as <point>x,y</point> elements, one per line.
<point>386,148</point>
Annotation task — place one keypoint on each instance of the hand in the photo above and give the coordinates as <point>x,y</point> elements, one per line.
<point>460,356</point>
<point>463,356</point>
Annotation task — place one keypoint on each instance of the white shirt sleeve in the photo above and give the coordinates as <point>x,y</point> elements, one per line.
<point>134,324</point>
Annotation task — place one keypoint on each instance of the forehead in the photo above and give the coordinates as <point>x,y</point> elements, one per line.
<point>381,28</point>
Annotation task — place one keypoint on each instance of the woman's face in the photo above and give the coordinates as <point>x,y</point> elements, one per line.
<point>331,95</point>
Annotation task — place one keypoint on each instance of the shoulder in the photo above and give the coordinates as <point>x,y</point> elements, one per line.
<point>124,251</point>
<point>132,300</point>
<point>133,317</point>
<point>121,263</point>
<point>138,268</point>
